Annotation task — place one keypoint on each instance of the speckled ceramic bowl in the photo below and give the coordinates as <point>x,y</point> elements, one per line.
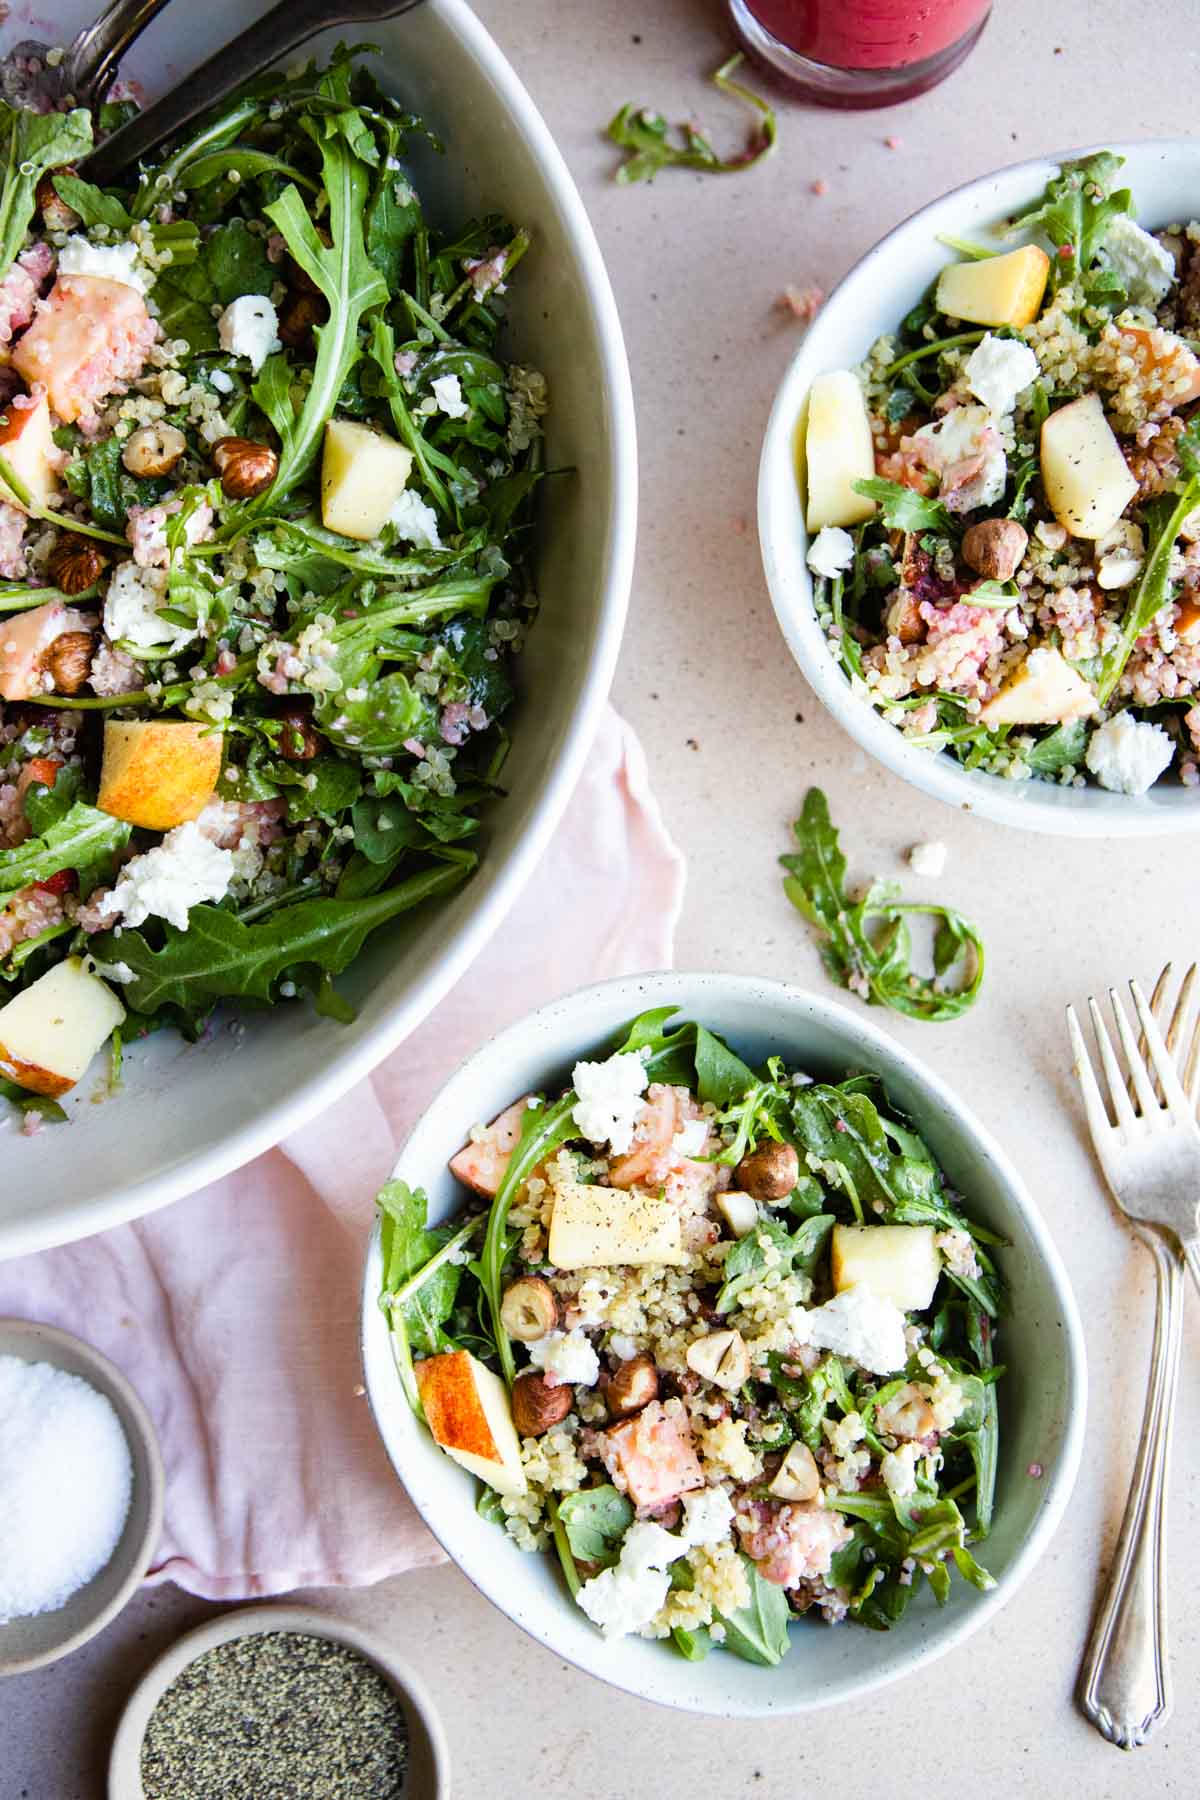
<point>31,1643</point>
<point>428,1772</point>
<point>1043,1399</point>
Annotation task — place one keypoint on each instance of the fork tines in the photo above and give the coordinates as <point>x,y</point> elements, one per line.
<point>1137,1094</point>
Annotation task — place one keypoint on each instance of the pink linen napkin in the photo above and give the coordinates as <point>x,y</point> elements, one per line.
<point>235,1313</point>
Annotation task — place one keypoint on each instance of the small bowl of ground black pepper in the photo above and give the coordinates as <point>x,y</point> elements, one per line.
<point>279,1703</point>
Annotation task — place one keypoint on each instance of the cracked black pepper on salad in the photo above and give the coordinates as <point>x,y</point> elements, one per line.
<point>265,488</point>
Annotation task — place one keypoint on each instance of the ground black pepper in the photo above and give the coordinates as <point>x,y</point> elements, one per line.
<point>279,1715</point>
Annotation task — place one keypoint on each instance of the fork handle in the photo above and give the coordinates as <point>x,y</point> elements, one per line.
<point>1125,1682</point>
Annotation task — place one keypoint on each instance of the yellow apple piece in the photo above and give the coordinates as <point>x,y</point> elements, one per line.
<point>1043,690</point>
<point>468,1412</point>
<point>1087,480</point>
<point>996,290</point>
<point>50,1031</point>
<point>739,1211</point>
<point>838,451</point>
<point>363,474</point>
<point>899,1263</point>
<point>27,446</point>
<point>480,1165</point>
<point>158,773</point>
<point>595,1226</point>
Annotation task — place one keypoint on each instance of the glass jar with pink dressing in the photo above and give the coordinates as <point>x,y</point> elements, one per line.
<point>854,53</point>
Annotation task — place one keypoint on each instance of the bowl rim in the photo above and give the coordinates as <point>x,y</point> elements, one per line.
<point>657,988</point>
<point>136,1424</point>
<point>1028,806</point>
<point>124,1762</point>
<point>56,1223</point>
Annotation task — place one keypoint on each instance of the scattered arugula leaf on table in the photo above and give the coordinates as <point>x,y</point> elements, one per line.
<point>646,135</point>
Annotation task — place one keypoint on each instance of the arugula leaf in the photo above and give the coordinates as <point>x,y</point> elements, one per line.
<point>902,508</point>
<point>218,957</point>
<point>758,1631</point>
<point>1075,211</point>
<point>1063,746</point>
<point>81,838</point>
<point>645,135</point>
<point>595,1520</point>
<point>869,949</point>
<point>407,1244</point>
<point>33,143</point>
<point>46,1109</point>
<point>93,205</point>
<point>721,1077</point>
<point>236,262</point>
<point>97,475</point>
<point>747,1263</point>
<point>1164,520</point>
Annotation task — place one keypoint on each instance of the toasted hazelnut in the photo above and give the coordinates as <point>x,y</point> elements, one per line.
<point>56,214</point>
<point>299,313</point>
<point>797,1477</point>
<point>722,1358</point>
<point>770,1172</point>
<point>529,1309</point>
<point>245,468</point>
<point>994,548</point>
<point>632,1386</point>
<point>153,449</point>
<point>907,1414</point>
<point>299,739</point>
<point>75,563</point>
<point>69,660</point>
<point>536,1406</point>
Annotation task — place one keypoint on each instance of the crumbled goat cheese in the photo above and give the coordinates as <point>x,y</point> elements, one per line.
<point>249,327</point>
<point>691,1138</point>
<point>448,394</point>
<point>962,436</point>
<point>415,521</point>
<point>131,614</point>
<point>223,383</point>
<point>648,1545</point>
<point>112,262</point>
<point>831,551</point>
<point>707,1516</point>
<point>1139,261</point>
<point>1128,755</point>
<point>998,369</point>
<point>609,1099</point>
<point>566,1356</point>
<point>626,1598</point>
<point>857,1324</point>
<point>899,1470</point>
<point>928,859</point>
<point>619,1602</point>
<point>164,883</point>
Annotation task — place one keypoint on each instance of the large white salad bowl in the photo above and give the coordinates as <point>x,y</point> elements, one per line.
<point>187,1114</point>
<point>1043,1397</point>
<point>889,281</point>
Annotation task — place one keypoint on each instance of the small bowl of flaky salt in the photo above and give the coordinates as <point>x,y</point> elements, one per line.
<point>81,1493</point>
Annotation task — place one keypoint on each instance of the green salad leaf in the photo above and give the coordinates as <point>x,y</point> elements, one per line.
<point>33,144</point>
<point>1075,211</point>
<point>758,1631</point>
<point>647,136</point>
<point>82,838</point>
<point>595,1520</point>
<point>902,508</point>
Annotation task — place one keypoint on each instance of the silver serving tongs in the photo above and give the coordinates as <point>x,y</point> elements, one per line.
<point>88,65</point>
<point>286,26</point>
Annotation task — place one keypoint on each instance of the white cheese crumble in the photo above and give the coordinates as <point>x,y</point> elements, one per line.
<point>415,521</point>
<point>962,435</point>
<point>566,1356</point>
<point>609,1102</point>
<point>620,1602</point>
<point>707,1516</point>
<point>928,859</point>
<point>1128,755</point>
<point>131,614</point>
<point>691,1138</point>
<point>223,383</point>
<point>111,262</point>
<point>1143,267</point>
<point>626,1598</point>
<point>164,883</point>
<point>249,327</point>
<point>859,1325</point>
<point>831,551</point>
<point>997,370</point>
<point>447,392</point>
<point>899,1470</point>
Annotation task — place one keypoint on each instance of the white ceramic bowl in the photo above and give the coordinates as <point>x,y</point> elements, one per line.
<point>874,297</point>
<point>189,1114</point>
<point>1043,1396</point>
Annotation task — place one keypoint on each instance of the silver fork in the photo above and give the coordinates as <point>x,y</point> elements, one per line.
<point>1151,1160</point>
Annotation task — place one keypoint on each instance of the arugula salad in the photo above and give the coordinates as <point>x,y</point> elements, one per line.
<point>721,1338</point>
<point>1004,499</point>
<point>266,486</point>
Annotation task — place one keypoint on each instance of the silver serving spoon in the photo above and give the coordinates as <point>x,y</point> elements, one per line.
<point>88,65</point>
<point>286,26</point>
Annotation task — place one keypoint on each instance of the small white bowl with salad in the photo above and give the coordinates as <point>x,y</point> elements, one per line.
<point>720,1346</point>
<point>978,495</point>
<point>316,545</point>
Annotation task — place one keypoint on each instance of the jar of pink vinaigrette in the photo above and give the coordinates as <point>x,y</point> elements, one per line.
<point>859,52</point>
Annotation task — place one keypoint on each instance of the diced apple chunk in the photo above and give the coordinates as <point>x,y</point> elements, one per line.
<point>739,1211</point>
<point>158,773</point>
<point>1044,690</point>
<point>592,1227</point>
<point>899,1263</point>
<point>50,1031</point>
<point>1087,480</point>
<point>480,1165</point>
<point>363,474</point>
<point>27,446</point>
<point>838,451</point>
<point>995,290</point>
<point>468,1412</point>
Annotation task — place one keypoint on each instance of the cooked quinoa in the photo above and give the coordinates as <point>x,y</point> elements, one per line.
<point>743,1332</point>
<point>1065,648</point>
